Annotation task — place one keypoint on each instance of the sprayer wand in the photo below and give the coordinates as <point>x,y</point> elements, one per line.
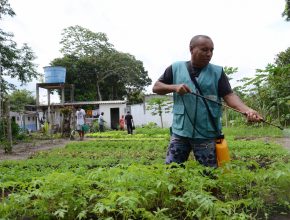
<point>226,106</point>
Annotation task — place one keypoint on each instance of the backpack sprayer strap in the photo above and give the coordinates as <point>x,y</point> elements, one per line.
<point>220,135</point>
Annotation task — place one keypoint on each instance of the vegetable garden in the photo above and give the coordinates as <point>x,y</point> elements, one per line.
<point>120,176</point>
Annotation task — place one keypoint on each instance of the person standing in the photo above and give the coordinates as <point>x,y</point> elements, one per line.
<point>81,120</point>
<point>196,122</point>
<point>129,122</point>
<point>122,123</point>
<point>101,122</point>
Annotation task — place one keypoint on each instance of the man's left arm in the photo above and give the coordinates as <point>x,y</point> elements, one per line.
<point>235,102</point>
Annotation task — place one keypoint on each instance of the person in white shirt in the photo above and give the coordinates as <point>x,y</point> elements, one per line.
<point>81,120</point>
<point>101,122</point>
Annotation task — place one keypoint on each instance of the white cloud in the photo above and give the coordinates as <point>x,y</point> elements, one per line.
<point>247,34</point>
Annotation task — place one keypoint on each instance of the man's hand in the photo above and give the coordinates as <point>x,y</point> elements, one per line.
<point>182,89</point>
<point>253,116</point>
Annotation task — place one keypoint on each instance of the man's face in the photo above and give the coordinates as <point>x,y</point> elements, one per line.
<point>201,54</point>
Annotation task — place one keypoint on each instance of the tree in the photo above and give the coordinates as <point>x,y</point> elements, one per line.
<point>20,98</point>
<point>158,106</point>
<point>286,12</point>
<point>283,58</point>
<point>81,42</point>
<point>16,62</point>
<point>269,90</point>
<point>5,9</point>
<point>228,71</point>
<point>97,69</point>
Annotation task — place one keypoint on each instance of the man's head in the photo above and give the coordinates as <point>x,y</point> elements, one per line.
<point>102,113</point>
<point>201,49</point>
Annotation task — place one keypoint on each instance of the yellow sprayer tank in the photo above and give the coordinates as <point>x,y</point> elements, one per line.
<point>222,151</point>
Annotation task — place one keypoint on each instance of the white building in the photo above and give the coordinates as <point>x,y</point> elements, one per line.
<point>142,116</point>
<point>113,110</point>
<point>26,120</point>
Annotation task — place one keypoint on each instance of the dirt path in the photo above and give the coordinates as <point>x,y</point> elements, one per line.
<point>285,142</point>
<point>25,150</point>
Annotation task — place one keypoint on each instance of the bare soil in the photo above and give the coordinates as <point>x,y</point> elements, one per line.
<point>283,141</point>
<point>23,151</point>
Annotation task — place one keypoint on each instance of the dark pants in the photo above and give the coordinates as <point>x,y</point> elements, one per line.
<point>130,128</point>
<point>180,147</point>
<point>101,127</point>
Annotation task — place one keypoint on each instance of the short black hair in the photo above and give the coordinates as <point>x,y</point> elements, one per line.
<point>194,40</point>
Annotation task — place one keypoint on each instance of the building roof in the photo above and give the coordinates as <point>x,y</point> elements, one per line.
<point>22,113</point>
<point>87,103</point>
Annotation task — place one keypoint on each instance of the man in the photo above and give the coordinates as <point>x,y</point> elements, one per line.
<point>129,122</point>
<point>195,126</point>
<point>81,120</point>
<point>101,122</point>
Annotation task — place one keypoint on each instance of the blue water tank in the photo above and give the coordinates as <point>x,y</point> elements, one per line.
<point>54,74</point>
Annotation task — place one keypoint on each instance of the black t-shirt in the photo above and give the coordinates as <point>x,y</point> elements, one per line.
<point>128,119</point>
<point>224,87</point>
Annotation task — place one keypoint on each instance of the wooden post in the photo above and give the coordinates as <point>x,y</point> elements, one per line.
<point>37,95</point>
<point>72,91</point>
<point>9,129</point>
<point>62,94</point>
<point>48,112</point>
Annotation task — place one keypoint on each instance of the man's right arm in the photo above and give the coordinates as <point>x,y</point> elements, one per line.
<point>162,88</point>
<point>164,84</point>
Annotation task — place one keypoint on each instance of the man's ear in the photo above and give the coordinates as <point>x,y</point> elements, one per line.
<point>190,48</point>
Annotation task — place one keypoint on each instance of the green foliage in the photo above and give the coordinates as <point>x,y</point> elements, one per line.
<point>15,129</point>
<point>5,9</point>
<point>229,71</point>
<point>95,127</point>
<point>119,176</point>
<point>269,91</point>
<point>20,98</point>
<point>81,42</point>
<point>158,106</point>
<point>286,12</point>
<point>46,128</point>
<point>66,111</point>
<point>135,96</point>
<point>16,62</point>
<point>253,131</point>
<point>98,71</point>
<point>16,134</point>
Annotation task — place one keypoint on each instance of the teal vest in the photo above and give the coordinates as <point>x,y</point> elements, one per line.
<point>199,125</point>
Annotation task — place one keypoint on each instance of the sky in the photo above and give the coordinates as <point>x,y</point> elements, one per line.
<point>247,34</point>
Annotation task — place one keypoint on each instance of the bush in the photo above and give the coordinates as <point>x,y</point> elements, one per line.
<point>15,129</point>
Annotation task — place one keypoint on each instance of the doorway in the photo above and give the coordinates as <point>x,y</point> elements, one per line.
<point>114,112</point>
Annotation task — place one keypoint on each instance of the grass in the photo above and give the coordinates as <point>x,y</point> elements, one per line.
<point>250,131</point>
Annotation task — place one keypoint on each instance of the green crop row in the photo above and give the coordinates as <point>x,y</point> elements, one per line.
<point>114,176</point>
